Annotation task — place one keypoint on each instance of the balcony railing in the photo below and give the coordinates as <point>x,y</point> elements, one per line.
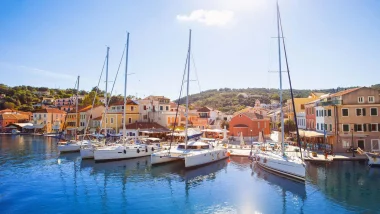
<point>330,103</point>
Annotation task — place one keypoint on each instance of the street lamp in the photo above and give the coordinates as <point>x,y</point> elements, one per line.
<point>352,142</point>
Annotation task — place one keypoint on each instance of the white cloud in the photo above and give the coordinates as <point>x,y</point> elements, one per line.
<point>208,17</point>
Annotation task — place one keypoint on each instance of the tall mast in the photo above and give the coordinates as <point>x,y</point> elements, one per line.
<point>187,91</point>
<point>280,72</point>
<point>106,96</point>
<point>76,110</point>
<point>125,85</point>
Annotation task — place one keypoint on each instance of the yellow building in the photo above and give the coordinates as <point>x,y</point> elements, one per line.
<point>114,118</point>
<point>299,104</point>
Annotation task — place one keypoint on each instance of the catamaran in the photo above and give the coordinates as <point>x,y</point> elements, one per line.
<point>193,152</point>
<point>124,149</point>
<point>278,162</point>
<point>71,145</point>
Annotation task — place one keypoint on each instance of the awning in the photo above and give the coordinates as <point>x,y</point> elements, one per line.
<point>306,133</point>
<point>214,130</point>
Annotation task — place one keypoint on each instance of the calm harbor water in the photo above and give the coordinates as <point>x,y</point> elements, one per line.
<point>34,178</point>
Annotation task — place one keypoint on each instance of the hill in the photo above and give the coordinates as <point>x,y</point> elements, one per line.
<point>232,100</point>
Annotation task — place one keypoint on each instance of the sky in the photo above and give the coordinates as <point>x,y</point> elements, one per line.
<point>49,43</point>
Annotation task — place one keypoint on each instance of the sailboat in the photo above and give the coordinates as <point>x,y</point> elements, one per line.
<point>72,145</point>
<point>124,150</point>
<point>278,162</point>
<point>373,158</point>
<point>193,152</point>
<point>88,146</point>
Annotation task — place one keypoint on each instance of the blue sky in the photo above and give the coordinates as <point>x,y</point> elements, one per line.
<point>48,43</point>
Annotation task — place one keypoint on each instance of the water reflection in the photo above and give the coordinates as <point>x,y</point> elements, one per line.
<point>348,182</point>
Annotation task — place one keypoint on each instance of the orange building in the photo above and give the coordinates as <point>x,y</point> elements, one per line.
<point>250,124</point>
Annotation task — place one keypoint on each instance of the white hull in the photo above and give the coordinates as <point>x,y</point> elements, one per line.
<point>291,168</point>
<point>123,152</point>
<point>192,158</point>
<point>87,152</point>
<point>69,148</point>
<point>204,157</point>
<point>373,159</point>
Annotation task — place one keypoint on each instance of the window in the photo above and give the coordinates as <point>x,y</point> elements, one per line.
<point>111,120</point>
<point>129,120</point>
<point>325,113</point>
<point>161,108</point>
<point>358,112</point>
<point>358,127</point>
<point>317,114</point>
<point>373,127</point>
<point>371,99</point>
<point>44,115</point>
<point>325,126</point>
<point>145,117</point>
<point>329,112</point>
<point>345,112</point>
<point>317,125</point>
<point>321,113</point>
<point>132,108</point>
<point>346,127</point>
<point>373,111</point>
<point>375,144</point>
<point>144,107</point>
<point>322,126</point>
<point>360,99</point>
<point>330,127</point>
<point>167,108</point>
<point>346,144</point>
<point>302,106</point>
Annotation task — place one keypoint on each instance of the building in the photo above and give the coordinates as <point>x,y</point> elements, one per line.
<point>158,109</point>
<point>53,119</point>
<point>42,92</point>
<point>354,118</point>
<point>87,113</point>
<point>144,128</point>
<point>299,103</point>
<point>114,118</point>
<point>320,113</point>
<point>47,101</point>
<point>8,116</point>
<point>310,115</point>
<point>301,120</point>
<point>95,124</point>
<point>71,101</point>
<point>249,124</point>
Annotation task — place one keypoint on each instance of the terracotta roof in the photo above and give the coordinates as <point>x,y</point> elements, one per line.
<point>50,110</point>
<point>129,102</point>
<point>14,116</point>
<point>98,118</point>
<point>85,108</point>
<point>144,125</point>
<point>252,116</point>
<point>317,94</point>
<point>340,93</point>
<point>204,109</point>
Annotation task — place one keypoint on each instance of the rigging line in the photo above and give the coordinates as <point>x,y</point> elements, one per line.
<point>67,113</point>
<point>179,99</point>
<point>96,93</point>
<point>113,85</point>
<point>196,74</point>
<point>290,83</point>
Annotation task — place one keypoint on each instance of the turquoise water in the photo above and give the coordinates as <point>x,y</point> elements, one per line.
<point>35,179</point>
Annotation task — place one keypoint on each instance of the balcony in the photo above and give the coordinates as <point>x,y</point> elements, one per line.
<point>330,103</point>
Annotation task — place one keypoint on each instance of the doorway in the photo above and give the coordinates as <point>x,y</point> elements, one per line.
<point>361,144</point>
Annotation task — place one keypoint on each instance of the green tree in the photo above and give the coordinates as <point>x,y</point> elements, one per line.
<point>9,105</point>
<point>89,98</point>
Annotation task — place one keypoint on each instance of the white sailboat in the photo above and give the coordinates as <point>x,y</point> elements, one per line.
<point>193,152</point>
<point>89,146</point>
<point>278,162</point>
<point>72,145</point>
<point>124,150</point>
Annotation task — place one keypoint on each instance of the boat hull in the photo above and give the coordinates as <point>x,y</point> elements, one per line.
<point>163,157</point>
<point>68,148</point>
<point>205,157</point>
<point>122,152</point>
<point>87,153</point>
<point>285,168</point>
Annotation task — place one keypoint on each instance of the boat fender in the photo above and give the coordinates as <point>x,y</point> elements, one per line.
<point>138,150</point>
<point>228,154</point>
<point>265,160</point>
<point>146,149</point>
<point>125,151</point>
<point>152,149</point>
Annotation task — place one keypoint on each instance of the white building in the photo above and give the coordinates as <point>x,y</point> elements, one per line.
<point>320,125</point>
<point>301,120</point>
<point>157,109</point>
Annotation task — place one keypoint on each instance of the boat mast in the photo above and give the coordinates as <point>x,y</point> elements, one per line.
<point>105,96</point>
<point>187,91</point>
<point>125,86</point>
<point>280,72</point>
<point>76,110</point>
